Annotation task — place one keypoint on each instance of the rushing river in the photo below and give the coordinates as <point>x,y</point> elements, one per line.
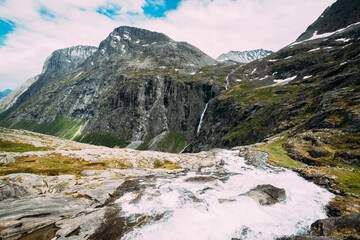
<point>214,210</point>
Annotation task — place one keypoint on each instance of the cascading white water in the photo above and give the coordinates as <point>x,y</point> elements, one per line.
<point>194,210</point>
<point>201,118</point>
<point>227,77</point>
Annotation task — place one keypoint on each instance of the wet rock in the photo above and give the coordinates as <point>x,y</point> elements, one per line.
<point>266,194</point>
<point>325,227</point>
<point>201,179</point>
<point>255,158</point>
<point>5,160</point>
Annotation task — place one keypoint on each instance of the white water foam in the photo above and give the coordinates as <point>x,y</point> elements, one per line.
<point>195,210</point>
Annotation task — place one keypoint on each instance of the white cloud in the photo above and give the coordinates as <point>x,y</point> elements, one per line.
<point>222,25</point>
<point>214,26</point>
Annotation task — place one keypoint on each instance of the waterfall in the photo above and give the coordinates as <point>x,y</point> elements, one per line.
<point>201,118</point>
<point>227,77</point>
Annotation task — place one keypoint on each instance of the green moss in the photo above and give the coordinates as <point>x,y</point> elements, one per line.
<point>278,155</point>
<point>54,164</point>
<point>103,140</point>
<point>8,146</point>
<point>346,181</point>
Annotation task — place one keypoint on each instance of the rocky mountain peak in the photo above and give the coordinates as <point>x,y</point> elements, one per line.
<point>138,48</point>
<point>138,34</point>
<point>339,15</point>
<point>64,60</point>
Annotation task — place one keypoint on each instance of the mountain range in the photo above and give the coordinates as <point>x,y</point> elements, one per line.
<point>144,89</point>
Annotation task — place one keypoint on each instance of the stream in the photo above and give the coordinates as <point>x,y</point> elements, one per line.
<point>211,206</point>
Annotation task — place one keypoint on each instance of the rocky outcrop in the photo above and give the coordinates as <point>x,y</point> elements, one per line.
<point>345,227</point>
<point>266,194</point>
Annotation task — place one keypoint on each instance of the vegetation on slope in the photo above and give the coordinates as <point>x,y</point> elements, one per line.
<point>8,146</point>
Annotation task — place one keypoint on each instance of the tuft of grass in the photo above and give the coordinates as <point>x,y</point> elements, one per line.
<point>8,146</point>
<point>166,164</point>
<point>56,164</point>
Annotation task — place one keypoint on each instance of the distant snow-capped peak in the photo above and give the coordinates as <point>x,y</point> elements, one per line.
<point>245,56</point>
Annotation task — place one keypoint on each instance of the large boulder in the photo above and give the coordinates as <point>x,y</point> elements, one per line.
<point>266,194</point>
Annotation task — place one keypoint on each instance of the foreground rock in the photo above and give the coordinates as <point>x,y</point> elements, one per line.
<point>267,194</point>
<point>330,226</point>
<point>344,227</point>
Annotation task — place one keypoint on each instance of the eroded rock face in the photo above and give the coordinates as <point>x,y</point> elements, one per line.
<point>267,194</point>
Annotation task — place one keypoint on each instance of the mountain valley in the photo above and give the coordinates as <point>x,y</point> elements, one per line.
<point>124,140</point>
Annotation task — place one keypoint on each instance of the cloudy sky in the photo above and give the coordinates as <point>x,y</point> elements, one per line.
<point>30,30</point>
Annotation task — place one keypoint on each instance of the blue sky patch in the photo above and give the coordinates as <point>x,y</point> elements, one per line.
<point>6,27</point>
<point>157,9</point>
<point>46,13</point>
<point>110,10</point>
